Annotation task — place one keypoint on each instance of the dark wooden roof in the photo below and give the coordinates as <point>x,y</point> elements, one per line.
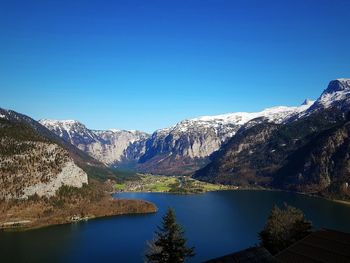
<point>250,255</point>
<point>321,246</point>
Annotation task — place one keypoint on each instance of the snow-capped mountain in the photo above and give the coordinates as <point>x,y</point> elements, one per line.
<point>277,114</point>
<point>109,147</point>
<point>308,153</point>
<point>191,142</point>
<point>337,94</point>
<point>70,130</point>
<point>186,146</point>
<point>181,149</point>
<point>254,148</point>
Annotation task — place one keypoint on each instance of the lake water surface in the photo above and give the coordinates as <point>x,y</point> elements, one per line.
<point>216,223</point>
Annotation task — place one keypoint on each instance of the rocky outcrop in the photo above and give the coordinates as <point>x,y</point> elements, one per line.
<point>31,163</point>
<point>70,175</point>
<point>120,146</point>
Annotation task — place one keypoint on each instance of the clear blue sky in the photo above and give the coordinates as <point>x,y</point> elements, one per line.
<point>148,64</point>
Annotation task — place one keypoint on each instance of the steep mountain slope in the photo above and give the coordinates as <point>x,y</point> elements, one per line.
<point>79,156</point>
<point>31,163</point>
<point>320,166</point>
<point>185,147</point>
<point>111,147</point>
<point>309,153</point>
<point>253,155</point>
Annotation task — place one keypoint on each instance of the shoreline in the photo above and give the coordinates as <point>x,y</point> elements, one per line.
<point>23,229</point>
<point>177,193</point>
<point>106,208</point>
<point>344,202</point>
<point>151,209</point>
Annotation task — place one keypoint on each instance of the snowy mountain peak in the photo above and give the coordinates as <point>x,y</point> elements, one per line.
<point>67,124</point>
<point>108,146</point>
<point>307,102</point>
<point>337,85</point>
<point>123,131</point>
<point>276,114</point>
<point>337,94</point>
<point>70,130</point>
<point>114,130</point>
<point>200,137</point>
<point>343,79</point>
<point>230,122</point>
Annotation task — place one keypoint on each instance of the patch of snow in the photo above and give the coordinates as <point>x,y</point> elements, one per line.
<point>200,137</point>
<point>328,99</point>
<point>113,130</point>
<point>343,79</point>
<point>337,94</point>
<point>275,114</point>
<point>66,123</point>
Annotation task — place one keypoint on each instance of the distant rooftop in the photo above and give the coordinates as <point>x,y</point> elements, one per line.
<point>250,255</point>
<point>321,246</point>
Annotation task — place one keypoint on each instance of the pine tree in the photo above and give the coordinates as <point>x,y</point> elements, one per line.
<point>283,228</point>
<point>169,245</point>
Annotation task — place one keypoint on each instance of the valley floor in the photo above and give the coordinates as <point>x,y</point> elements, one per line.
<point>169,184</point>
<point>187,185</point>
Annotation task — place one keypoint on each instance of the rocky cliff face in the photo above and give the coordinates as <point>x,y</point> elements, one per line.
<point>31,163</point>
<point>181,149</point>
<point>121,146</point>
<point>110,147</point>
<point>186,147</point>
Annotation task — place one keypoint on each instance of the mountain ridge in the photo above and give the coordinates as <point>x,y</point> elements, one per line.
<point>308,154</point>
<point>236,148</point>
<point>187,144</point>
<point>107,146</point>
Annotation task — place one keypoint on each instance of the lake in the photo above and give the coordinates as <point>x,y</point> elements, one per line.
<point>216,223</point>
